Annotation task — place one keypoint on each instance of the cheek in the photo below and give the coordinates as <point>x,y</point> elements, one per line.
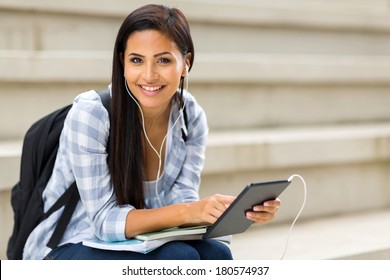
<point>173,76</point>
<point>131,73</point>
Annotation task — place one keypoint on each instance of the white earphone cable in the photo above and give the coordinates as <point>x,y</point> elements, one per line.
<point>150,143</point>
<point>299,213</point>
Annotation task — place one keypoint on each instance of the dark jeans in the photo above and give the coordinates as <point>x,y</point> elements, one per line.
<point>176,250</point>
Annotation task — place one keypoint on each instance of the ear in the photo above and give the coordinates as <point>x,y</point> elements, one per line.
<point>184,73</point>
<point>187,65</point>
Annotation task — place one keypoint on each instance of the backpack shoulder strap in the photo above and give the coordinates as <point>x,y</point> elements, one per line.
<point>105,97</point>
<point>70,199</point>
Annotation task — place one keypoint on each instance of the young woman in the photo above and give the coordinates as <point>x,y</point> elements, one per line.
<point>138,168</point>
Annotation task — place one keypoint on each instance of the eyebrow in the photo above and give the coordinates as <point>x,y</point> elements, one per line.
<point>156,55</point>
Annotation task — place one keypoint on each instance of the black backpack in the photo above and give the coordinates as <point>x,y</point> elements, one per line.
<point>40,146</point>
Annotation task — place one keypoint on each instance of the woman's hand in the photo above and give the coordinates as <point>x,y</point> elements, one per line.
<point>263,214</point>
<point>208,210</point>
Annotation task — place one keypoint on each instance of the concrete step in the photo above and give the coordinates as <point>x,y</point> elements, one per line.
<point>269,68</point>
<point>275,90</point>
<point>327,27</point>
<point>278,148</point>
<point>358,236</point>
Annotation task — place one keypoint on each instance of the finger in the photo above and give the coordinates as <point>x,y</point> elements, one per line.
<point>210,220</point>
<point>275,202</point>
<point>218,202</point>
<point>213,208</point>
<point>260,217</point>
<point>222,202</point>
<point>268,209</point>
<point>268,206</point>
<point>225,200</point>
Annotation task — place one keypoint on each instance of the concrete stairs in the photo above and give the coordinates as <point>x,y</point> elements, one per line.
<point>288,88</point>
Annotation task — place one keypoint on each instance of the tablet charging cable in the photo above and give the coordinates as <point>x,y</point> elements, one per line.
<point>300,211</point>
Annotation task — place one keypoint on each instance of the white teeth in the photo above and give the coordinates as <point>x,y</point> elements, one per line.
<point>151,88</point>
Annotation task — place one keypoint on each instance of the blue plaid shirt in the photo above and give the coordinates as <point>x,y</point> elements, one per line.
<point>82,157</point>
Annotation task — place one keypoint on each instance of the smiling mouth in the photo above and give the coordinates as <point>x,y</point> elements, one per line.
<point>151,89</point>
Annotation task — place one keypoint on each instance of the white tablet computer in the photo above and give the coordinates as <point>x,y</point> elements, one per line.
<point>233,220</point>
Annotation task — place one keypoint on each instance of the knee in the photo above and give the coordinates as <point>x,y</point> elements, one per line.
<point>225,252</point>
<point>178,251</point>
<point>212,250</point>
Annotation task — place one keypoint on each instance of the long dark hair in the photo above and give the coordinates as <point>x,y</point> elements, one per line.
<point>125,157</point>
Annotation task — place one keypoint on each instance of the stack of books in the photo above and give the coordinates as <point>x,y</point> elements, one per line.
<point>144,243</point>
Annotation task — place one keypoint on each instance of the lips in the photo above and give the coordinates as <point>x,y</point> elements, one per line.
<point>151,89</point>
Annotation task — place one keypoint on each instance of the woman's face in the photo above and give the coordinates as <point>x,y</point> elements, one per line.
<point>153,66</point>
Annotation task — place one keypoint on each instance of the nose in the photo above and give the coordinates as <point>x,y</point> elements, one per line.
<point>150,73</point>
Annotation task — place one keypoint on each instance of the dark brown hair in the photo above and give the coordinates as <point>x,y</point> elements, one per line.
<point>125,155</point>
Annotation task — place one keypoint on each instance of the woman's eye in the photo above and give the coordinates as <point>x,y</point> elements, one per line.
<point>163,60</point>
<point>136,60</point>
